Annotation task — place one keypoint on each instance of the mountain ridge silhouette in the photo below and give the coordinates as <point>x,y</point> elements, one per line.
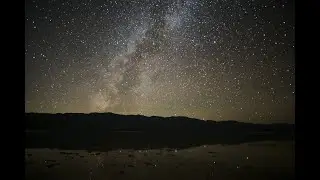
<point>105,131</point>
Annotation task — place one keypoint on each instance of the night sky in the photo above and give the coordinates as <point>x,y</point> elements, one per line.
<point>212,60</point>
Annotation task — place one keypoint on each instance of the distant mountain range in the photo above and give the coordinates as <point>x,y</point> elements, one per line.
<point>105,131</point>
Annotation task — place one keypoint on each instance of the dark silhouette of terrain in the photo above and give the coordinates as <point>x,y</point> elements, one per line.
<point>107,131</point>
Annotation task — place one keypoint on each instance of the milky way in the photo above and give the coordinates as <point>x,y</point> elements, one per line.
<point>217,60</point>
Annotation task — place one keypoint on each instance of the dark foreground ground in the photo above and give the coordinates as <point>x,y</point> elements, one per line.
<point>267,160</point>
<point>111,146</point>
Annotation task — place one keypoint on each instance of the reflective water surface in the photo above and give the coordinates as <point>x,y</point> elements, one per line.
<point>260,160</point>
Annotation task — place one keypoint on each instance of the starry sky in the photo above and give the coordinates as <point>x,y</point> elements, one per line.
<point>212,60</point>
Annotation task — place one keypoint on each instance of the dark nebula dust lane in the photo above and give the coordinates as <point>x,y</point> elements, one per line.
<point>217,60</point>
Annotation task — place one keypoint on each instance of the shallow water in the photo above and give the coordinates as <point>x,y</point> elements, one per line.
<point>261,160</point>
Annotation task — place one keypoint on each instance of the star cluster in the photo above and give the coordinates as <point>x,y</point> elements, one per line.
<point>217,60</point>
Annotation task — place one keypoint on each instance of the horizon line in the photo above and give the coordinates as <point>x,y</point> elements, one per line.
<point>88,113</point>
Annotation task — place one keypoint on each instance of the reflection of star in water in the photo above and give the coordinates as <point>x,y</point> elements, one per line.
<point>100,161</point>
